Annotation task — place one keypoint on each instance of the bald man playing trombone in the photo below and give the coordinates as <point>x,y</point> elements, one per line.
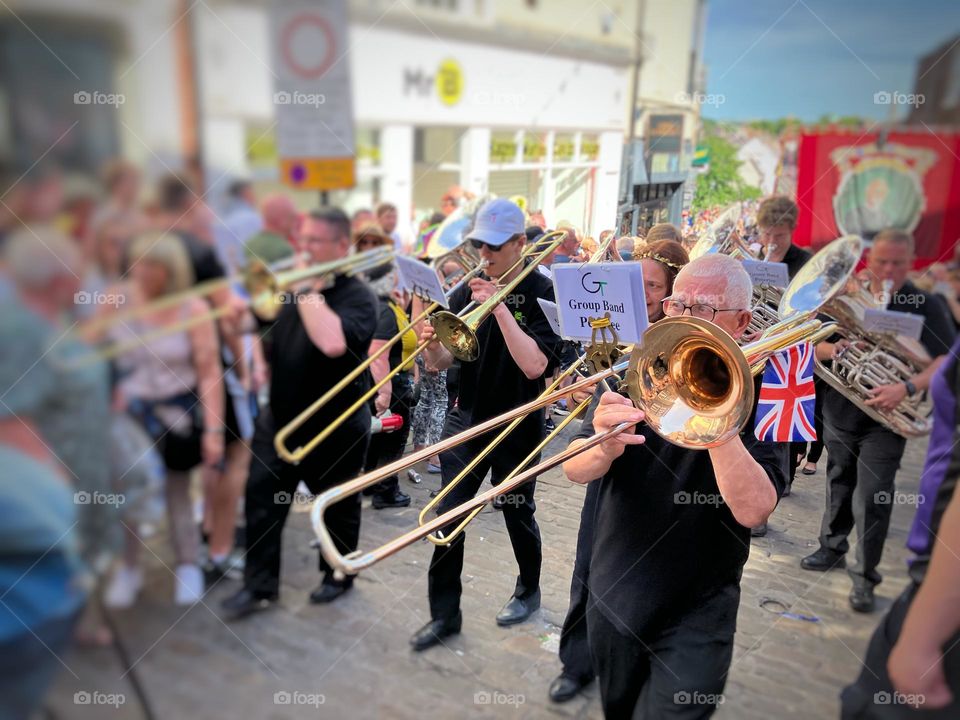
<point>673,532</point>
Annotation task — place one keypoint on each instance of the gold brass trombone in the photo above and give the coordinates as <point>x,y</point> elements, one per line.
<point>691,379</point>
<point>264,286</point>
<point>458,336</point>
<point>609,346</point>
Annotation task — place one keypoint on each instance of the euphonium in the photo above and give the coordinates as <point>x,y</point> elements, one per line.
<point>873,359</point>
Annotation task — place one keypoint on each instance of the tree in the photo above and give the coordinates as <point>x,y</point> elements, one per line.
<point>721,185</point>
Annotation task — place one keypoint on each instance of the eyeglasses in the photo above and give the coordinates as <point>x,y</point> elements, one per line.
<point>675,308</point>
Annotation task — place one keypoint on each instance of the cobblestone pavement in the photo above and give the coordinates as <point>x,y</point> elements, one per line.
<point>351,659</point>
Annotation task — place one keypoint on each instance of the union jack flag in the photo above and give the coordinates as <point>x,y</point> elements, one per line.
<point>785,408</point>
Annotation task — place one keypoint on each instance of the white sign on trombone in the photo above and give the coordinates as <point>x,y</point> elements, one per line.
<point>420,279</point>
<point>591,290</point>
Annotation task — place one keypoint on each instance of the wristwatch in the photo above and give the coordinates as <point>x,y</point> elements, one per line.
<point>911,388</point>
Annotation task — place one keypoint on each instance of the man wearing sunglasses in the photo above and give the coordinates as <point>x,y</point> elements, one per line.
<point>518,350</point>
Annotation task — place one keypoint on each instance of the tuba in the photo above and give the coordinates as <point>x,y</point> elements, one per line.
<point>875,359</point>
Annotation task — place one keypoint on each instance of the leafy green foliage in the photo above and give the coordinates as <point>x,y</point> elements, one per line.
<point>721,185</point>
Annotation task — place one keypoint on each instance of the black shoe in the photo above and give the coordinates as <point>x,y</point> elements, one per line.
<point>395,499</point>
<point>214,572</point>
<point>434,631</point>
<point>499,502</point>
<point>862,600</point>
<point>548,424</point>
<point>329,591</point>
<point>759,530</point>
<point>243,603</point>
<point>823,560</point>
<point>786,490</point>
<point>565,688</point>
<point>434,493</point>
<point>518,609</point>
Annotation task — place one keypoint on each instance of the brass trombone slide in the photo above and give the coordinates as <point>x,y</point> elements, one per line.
<point>699,375</point>
<point>458,335</point>
<point>301,452</point>
<point>262,284</point>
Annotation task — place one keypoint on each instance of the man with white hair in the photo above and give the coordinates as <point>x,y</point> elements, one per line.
<point>673,532</point>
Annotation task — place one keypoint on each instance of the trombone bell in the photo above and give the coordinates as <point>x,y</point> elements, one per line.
<point>457,335</point>
<point>692,381</point>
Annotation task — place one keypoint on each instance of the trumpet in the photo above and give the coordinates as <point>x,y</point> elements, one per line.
<point>691,379</point>
<point>456,332</point>
<point>264,286</point>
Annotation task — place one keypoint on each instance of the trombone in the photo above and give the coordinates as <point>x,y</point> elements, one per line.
<point>265,288</point>
<point>691,379</point>
<point>457,332</point>
<point>603,348</point>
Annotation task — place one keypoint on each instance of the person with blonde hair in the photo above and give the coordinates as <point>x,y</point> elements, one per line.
<point>172,384</point>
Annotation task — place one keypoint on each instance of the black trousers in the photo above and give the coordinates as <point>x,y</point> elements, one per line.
<point>271,487</point>
<point>872,696</point>
<point>387,447</point>
<point>816,446</point>
<point>446,566</point>
<point>677,672</point>
<point>574,644</point>
<point>861,468</point>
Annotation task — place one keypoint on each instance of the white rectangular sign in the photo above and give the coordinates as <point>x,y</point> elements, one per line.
<point>773,274</point>
<point>893,321</point>
<point>551,313</point>
<point>311,93</point>
<point>591,290</point>
<point>420,279</point>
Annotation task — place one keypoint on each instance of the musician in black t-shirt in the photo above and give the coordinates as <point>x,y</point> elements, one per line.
<point>672,533</point>
<point>517,350</point>
<point>320,335</point>
<point>863,456</point>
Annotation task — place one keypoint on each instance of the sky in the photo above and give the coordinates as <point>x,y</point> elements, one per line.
<point>767,59</point>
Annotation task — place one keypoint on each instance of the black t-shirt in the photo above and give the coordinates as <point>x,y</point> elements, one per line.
<point>937,337</point>
<point>664,540</point>
<point>795,258</point>
<point>494,383</point>
<point>203,258</point>
<point>387,328</point>
<point>301,373</point>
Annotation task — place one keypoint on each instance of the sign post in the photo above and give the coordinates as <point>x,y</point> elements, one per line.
<point>312,97</point>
